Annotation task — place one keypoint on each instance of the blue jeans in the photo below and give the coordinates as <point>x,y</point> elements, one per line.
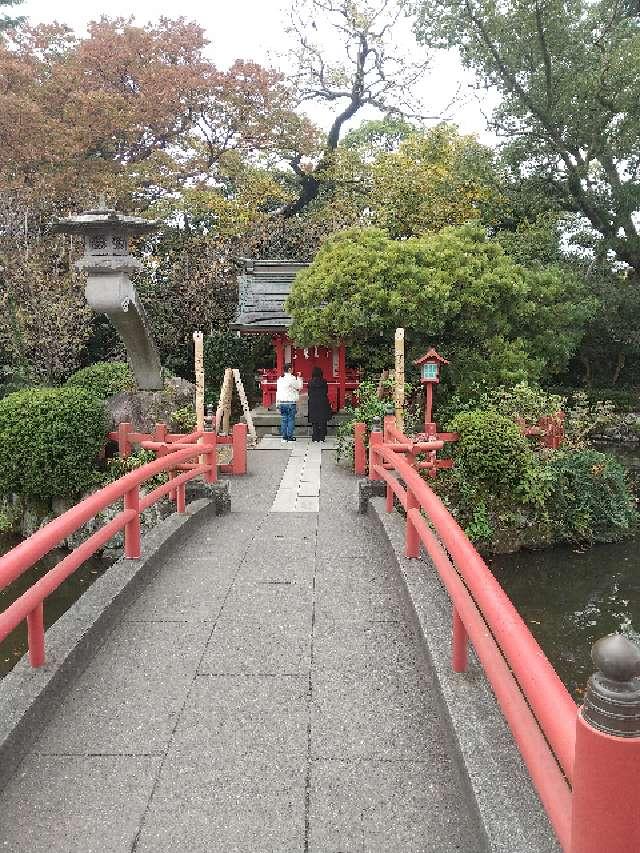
<point>287,420</point>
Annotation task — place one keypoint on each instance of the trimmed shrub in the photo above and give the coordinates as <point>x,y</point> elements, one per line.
<point>104,379</point>
<point>590,500</point>
<point>50,439</point>
<point>491,454</point>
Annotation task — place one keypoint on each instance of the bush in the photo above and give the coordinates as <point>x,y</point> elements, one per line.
<point>104,379</point>
<point>50,439</point>
<point>491,455</point>
<point>590,500</point>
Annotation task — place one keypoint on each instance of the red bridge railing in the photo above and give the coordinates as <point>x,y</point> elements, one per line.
<point>597,811</point>
<point>182,457</point>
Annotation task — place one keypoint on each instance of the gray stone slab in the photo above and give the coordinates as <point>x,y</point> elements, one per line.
<point>373,714</point>
<point>128,698</point>
<point>264,628</point>
<point>191,592</point>
<point>218,805</point>
<point>372,647</point>
<point>376,806</point>
<point>76,804</point>
<point>231,717</point>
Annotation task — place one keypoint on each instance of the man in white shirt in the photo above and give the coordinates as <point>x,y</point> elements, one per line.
<point>288,390</point>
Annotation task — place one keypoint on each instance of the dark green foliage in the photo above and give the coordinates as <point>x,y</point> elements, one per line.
<point>506,496</point>
<point>589,499</point>
<point>117,467</point>
<point>491,452</point>
<point>103,379</point>
<point>50,439</point>
<point>368,407</point>
<point>226,349</point>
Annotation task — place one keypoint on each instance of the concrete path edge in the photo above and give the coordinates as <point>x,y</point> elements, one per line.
<point>28,696</point>
<point>510,811</point>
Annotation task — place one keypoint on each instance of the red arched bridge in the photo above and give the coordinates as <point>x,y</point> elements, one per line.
<point>300,673</point>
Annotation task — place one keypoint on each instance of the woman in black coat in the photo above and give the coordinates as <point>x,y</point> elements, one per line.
<point>319,407</point>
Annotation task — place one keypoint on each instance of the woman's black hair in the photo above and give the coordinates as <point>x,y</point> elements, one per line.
<point>317,372</point>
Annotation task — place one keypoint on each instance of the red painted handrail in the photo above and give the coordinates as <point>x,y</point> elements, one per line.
<point>539,709</point>
<point>29,605</point>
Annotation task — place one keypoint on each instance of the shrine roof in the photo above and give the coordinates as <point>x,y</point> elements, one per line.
<point>263,287</point>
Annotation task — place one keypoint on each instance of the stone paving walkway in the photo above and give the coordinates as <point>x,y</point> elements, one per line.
<point>262,694</point>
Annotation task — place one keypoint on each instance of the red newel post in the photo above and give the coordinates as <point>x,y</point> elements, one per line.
<point>35,635</point>
<point>210,455</point>
<point>359,450</point>
<point>239,460</point>
<point>606,775</point>
<point>388,423</point>
<point>132,528</point>
<point>375,438</point>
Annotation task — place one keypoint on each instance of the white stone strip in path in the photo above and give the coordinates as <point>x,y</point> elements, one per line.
<point>299,489</point>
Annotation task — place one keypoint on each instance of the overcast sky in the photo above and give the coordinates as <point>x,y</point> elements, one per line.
<point>254,29</point>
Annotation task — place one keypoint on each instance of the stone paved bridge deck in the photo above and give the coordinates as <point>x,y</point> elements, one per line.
<point>264,692</point>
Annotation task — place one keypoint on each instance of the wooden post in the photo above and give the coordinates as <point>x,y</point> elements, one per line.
<point>399,379</point>
<point>224,400</point>
<point>198,355</point>
<point>245,406</point>
<point>198,340</point>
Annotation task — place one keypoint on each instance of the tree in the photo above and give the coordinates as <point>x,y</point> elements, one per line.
<point>372,72</point>
<point>497,322</point>
<point>569,73</point>
<point>433,179</point>
<point>7,22</point>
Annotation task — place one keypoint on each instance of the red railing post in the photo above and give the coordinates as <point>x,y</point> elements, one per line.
<point>606,792</point>
<point>124,446</point>
<point>359,450</point>
<point>375,439</point>
<point>132,528</point>
<point>239,459</point>
<point>459,643</point>
<point>412,539</point>
<point>181,500</point>
<point>35,635</point>
<point>211,458</point>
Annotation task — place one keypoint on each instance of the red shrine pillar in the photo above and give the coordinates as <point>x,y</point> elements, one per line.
<point>342,376</point>
<point>278,343</point>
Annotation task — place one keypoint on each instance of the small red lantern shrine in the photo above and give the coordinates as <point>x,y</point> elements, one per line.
<point>429,365</point>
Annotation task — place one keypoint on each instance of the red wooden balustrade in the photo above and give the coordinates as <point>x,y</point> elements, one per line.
<point>595,812</point>
<point>29,606</point>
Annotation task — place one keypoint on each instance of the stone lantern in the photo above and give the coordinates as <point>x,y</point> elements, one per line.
<point>109,289</point>
<point>429,364</point>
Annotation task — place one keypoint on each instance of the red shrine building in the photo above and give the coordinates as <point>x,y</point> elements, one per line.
<point>263,289</point>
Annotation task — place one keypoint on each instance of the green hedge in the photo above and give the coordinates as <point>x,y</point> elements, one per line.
<point>491,452</point>
<point>103,379</point>
<point>590,500</point>
<point>50,439</point>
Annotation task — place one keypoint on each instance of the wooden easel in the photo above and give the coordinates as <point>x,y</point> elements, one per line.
<point>223,412</point>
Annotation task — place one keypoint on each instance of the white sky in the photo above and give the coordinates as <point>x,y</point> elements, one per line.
<point>254,29</point>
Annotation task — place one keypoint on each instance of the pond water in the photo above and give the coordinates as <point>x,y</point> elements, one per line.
<point>15,645</point>
<point>569,599</point>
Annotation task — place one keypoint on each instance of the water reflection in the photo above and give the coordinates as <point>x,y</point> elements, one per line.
<point>15,645</point>
<point>569,599</point>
